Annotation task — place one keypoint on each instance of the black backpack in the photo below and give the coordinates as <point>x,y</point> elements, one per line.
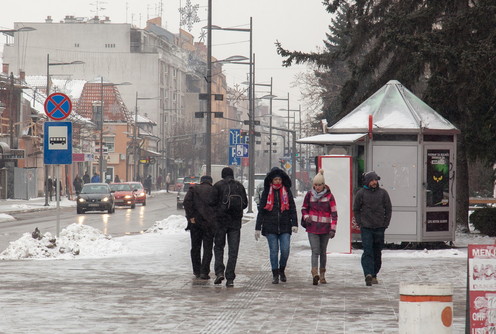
<point>233,198</point>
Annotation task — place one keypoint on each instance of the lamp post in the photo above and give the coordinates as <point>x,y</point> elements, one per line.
<point>136,134</point>
<point>251,149</point>
<point>101,118</point>
<point>48,64</point>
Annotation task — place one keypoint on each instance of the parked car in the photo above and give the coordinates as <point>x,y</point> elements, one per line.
<point>139,191</point>
<point>124,194</point>
<point>189,181</point>
<point>95,197</point>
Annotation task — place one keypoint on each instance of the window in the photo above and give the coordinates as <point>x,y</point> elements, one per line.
<point>109,142</point>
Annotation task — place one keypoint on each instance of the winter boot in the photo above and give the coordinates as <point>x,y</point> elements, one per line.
<point>322,276</point>
<point>282,275</point>
<point>275,276</point>
<point>315,276</point>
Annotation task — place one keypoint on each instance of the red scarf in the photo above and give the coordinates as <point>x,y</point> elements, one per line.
<point>283,196</point>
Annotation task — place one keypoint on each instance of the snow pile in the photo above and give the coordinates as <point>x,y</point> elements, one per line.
<point>5,217</point>
<point>75,240</point>
<point>170,225</point>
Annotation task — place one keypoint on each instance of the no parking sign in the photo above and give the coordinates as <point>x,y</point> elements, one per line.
<point>58,106</point>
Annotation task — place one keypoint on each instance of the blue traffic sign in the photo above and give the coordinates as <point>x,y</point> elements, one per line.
<point>242,150</point>
<point>58,106</point>
<point>234,136</point>
<point>57,143</point>
<point>232,157</point>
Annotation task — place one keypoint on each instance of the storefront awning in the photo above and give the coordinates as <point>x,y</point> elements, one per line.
<point>332,138</point>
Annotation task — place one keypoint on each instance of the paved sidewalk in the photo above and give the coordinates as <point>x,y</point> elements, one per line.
<point>158,294</point>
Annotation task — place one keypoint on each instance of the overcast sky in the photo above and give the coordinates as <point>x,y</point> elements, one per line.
<point>299,25</point>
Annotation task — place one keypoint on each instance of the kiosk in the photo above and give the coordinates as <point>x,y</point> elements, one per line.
<point>413,149</point>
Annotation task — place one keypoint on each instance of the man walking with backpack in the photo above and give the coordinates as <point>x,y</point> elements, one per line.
<point>231,201</point>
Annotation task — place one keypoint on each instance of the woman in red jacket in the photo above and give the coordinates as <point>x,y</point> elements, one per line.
<point>319,217</point>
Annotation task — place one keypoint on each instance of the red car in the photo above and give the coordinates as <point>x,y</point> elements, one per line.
<point>124,194</point>
<point>140,192</point>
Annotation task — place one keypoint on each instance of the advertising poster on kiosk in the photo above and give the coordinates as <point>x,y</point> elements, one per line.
<point>437,190</point>
<point>482,288</point>
<point>337,173</point>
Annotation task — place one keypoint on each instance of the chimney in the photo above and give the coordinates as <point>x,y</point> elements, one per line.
<point>5,68</point>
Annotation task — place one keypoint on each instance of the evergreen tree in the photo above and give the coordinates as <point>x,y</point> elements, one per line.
<point>442,50</point>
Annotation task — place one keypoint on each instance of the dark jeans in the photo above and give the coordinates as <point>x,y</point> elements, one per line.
<point>201,236</point>
<point>233,236</point>
<point>372,242</point>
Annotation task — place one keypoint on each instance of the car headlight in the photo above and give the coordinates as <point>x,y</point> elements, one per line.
<point>105,199</point>
<point>141,194</point>
<point>128,197</point>
<point>81,200</point>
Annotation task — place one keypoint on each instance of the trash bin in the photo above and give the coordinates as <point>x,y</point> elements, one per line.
<point>425,308</point>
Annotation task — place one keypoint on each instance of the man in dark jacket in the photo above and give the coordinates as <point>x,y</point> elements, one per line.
<point>228,226</point>
<point>372,210</point>
<point>199,204</point>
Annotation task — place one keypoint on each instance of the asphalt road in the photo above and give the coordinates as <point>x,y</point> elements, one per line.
<point>124,221</point>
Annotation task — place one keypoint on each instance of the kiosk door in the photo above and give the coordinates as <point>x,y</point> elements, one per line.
<point>439,192</point>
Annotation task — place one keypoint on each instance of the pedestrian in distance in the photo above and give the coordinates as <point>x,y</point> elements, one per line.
<point>167,181</point>
<point>147,184</point>
<point>276,220</point>
<point>319,217</point>
<point>86,177</point>
<point>117,179</point>
<point>95,178</point>
<point>372,211</point>
<point>231,201</point>
<point>78,184</point>
<point>200,206</point>
<point>159,182</point>
<point>49,187</point>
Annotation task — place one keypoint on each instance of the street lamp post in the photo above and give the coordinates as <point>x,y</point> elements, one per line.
<point>251,149</point>
<point>101,119</point>
<point>136,134</point>
<point>48,64</point>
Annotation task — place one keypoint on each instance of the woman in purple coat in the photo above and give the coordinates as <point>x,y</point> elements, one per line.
<point>319,217</point>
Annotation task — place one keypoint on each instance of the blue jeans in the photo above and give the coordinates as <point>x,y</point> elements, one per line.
<point>276,242</point>
<point>372,242</point>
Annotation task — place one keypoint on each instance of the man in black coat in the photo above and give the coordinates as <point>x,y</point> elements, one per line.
<point>228,226</point>
<point>199,204</point>
<point>372,210</point>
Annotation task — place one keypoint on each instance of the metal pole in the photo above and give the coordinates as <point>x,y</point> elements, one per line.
<point>47,93</point>
<point>135,141</point>
<point>289,145</point>
<point>251,130</point>
<point>208,159</point>
<point>57,194</point>
<point>270,127</point>
<point>101,130</point>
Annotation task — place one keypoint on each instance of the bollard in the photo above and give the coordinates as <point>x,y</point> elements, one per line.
<point>425,308</point>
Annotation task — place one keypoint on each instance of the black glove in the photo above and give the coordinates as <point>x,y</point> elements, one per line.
<point>332,233</point>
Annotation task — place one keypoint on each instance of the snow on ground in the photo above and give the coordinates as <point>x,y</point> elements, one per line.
<point>5,217</point>
<point>82,241</point>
